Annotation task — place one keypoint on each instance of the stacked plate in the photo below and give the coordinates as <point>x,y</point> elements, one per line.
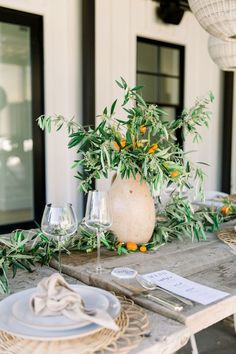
<point>213,198</point>
<point>16,317</point>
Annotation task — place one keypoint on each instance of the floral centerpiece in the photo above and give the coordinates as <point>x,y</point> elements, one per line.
<point>140,147</point>
<point>144,143</point>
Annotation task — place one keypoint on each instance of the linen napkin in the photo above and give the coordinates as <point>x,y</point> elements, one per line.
<point>55,297</point>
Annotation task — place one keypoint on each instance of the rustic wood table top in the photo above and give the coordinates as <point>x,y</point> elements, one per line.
<point>210,263</point>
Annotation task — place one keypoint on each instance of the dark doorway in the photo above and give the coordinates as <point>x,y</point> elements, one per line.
<point>22,188</point>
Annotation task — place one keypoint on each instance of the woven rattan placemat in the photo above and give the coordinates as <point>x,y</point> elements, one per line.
<point>232,197</point>
<point>227,235</point>
<point>133,323</point>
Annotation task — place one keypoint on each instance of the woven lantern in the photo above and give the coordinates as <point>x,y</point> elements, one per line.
<point>223,53</point>
<point>218,17</point>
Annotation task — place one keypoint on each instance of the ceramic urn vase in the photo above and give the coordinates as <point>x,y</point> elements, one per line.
<point>133,210</point>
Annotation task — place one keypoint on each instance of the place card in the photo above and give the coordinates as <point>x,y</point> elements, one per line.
<point>181,286</point>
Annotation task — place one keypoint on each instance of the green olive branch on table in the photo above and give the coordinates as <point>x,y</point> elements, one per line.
<point>24,249</point>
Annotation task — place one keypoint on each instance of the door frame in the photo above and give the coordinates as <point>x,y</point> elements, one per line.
<point>35,22</point>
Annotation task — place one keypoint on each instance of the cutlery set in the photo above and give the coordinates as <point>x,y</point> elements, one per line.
<point>148,287</point>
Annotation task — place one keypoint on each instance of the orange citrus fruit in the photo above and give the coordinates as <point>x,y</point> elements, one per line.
<point>131,246</point>
<point>152,149</point>
<point>123,142</point>
<point>143,249</point>
<point>174,174</point>
<point>225,210</point>
<point>116,146</point>
<point>143,129</point>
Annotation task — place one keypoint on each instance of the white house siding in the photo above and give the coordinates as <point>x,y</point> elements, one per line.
<point>118,23</point>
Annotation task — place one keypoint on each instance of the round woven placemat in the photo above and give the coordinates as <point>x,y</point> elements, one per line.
<point>232,197</point>
<point>227,235</point>
<point>132,321</point>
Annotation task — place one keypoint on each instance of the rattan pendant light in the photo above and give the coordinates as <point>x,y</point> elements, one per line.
<point>223,53</point>
<point>218,17</point>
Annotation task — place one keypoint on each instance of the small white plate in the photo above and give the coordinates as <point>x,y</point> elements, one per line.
<point>124,273</point>
<point>212,198</point>
<point>9,324</point>
<point>22,312</point>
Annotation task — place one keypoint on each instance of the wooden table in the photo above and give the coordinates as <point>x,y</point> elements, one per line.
<point>210,263</point>
<point>167,335</point>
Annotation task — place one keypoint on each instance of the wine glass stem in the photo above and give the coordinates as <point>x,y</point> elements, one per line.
<point>98,266</point>
<point>59,254</point>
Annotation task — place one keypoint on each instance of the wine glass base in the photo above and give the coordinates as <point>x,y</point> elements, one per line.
<point>97,270</point>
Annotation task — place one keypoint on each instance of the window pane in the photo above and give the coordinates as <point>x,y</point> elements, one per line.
<point>171,113</point>
<point>149,92</point>
<point>168,90</point>
<point>16,144</point>
<point>169,61</point>
<point>147,57</point>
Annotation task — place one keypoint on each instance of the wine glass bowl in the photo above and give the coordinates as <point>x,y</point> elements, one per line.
<point>98,218</point>
<point>59,222</point>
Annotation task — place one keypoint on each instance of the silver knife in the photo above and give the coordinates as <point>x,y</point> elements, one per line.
<point>135,292</point>
<point>166,303</point>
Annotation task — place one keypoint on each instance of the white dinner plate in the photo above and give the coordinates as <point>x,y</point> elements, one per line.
<point>212,198</point>
<point>9,324</point>
<point>22,312</point>
<point>215,195</point>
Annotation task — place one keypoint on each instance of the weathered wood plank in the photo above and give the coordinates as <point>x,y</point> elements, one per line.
<point>210,263</point>
<point>175,259</point>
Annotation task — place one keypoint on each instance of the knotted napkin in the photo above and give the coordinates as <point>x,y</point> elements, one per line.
<point>55,297</point>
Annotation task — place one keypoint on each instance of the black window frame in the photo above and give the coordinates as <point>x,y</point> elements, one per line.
<point>227,128</point>
<point>181,77</point>
<point>35,22</point>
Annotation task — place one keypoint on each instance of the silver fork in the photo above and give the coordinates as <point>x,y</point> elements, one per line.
<point>146,284</point>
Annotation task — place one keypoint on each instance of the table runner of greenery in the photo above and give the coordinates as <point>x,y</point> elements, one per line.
<point>24,249</point>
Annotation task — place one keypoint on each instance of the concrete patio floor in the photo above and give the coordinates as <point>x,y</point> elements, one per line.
<point>217,339</point>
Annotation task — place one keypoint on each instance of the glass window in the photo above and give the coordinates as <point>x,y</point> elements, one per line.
<point>169,61</point>
<point>22,188</point>
<point>150,83</point>
<point>160,68</point>
<point>16,143</point>
<point>168,92</point>
<point>171,113</point>
<point>147,58</point>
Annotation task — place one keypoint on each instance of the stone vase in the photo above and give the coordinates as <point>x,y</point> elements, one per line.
<point>133,210</point>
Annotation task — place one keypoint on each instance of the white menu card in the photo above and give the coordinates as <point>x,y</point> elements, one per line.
<point>181,286</point>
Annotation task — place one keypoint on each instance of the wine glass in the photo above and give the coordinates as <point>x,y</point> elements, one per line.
<point>59,222</point>
<point>98,218</point>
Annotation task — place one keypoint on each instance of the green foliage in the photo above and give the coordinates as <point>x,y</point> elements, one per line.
<point>143,143</point>
<point>179,220</point>
<point>21,251</point>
